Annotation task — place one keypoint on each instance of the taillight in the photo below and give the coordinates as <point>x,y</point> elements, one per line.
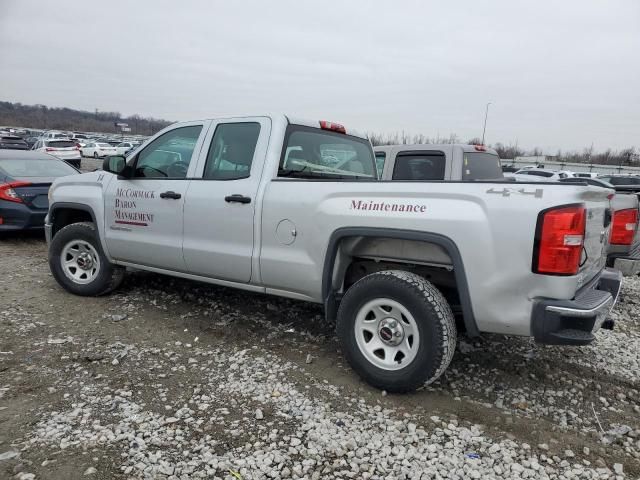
<point>625,224</point>
<point>8,193</point>
<point>49,149</point>
<point>334,127</point>
<point>559,240</point>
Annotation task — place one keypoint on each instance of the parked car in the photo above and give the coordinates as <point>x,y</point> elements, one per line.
<point>124,147</point>
<point>53,135</point>
<point>25,178</point>
<point>305,217</point>
<point>13,142</point>
<point>623,252</point>
<point>98,150</point>
<point>621,180</point>
<point>585,174</point>
<point>79,136</point>
<point>63,149</point>
<point>456,162</point>
<point>548,174</point>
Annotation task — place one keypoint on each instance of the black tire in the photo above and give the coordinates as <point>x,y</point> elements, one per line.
<point>107,278</point>
<point>432,314</point>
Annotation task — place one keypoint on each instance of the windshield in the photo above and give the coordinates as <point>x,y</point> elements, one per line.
<point>103,145</point>
<point>36,168</point>
<point>481,166</point>
<point>61,144</point>
<point>315,153</point>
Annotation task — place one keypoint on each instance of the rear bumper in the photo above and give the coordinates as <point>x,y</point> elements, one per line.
<point>18,216</point>
<point>574,322</point>
<point>627,263</point>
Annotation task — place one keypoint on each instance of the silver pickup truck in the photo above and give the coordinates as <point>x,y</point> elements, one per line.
<point>294,208</point>
<point>433,162</point>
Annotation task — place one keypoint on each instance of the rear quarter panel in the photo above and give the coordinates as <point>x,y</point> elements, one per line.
<point>493,231</point>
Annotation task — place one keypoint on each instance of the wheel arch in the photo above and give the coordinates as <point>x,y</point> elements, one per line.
<point>62,214</point>
<point>329,295</point>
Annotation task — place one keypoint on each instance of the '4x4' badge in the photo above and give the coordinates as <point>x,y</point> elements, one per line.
<point>506,192</point>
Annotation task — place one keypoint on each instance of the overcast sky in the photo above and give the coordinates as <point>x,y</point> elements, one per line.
<point>559,74</point>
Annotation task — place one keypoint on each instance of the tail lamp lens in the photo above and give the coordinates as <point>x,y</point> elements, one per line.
<point>8,193</point>
<point>559,240</point>
<point>625,224</point>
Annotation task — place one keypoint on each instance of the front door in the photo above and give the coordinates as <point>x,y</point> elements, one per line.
<point>144,213</point>
<point>221,201</point>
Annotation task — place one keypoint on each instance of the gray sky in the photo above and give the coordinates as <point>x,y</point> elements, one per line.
<point>560,74</point>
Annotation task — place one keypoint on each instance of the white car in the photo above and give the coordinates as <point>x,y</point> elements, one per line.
<point>51,135</point>
<point>549,175</point>
<point>98,150</point>
<point>64,149</point>
<point>124,147</point>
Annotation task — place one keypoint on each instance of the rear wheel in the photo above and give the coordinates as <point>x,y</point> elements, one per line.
<point>397,330</point>
<point>78,263</point>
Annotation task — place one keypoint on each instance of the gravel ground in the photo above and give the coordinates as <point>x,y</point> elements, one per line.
<point>175,379</point>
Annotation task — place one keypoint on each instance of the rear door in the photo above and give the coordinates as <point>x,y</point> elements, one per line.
<point>220,206</point>
<point>144,213</point>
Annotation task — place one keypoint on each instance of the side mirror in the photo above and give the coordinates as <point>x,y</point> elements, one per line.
<point>114,164</point>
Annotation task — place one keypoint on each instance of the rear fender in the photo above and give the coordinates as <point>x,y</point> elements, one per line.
<point>329,293</point>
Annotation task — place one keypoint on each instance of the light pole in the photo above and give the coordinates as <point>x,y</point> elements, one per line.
<point>484,129</point>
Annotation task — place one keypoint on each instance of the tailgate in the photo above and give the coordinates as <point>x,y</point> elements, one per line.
<point>599,214</point>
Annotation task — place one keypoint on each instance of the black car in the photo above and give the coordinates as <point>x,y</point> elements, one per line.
<point>13,142</point>
<point>25,178</point>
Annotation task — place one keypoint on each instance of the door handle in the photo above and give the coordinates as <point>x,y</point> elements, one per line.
<point>236,197</point>
<point>170,194</point>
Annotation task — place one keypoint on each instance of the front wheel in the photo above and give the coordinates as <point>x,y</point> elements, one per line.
<point>397,330</point>
<point>78,263</point>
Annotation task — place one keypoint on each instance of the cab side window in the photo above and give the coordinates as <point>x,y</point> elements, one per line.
<point>169,155</point>
<point>231,151</point>
<point>412,166</point>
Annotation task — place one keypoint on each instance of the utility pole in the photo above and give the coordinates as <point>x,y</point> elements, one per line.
<point>486,114</point>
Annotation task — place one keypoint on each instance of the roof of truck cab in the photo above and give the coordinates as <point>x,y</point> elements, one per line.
<point>282,117</point>
<point>432,146</point>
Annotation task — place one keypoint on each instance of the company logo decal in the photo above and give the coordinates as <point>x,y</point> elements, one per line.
<point>125,207</point>
<point>370,205</point>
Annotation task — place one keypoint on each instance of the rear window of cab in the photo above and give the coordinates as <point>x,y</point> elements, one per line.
<point>314,153</point>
